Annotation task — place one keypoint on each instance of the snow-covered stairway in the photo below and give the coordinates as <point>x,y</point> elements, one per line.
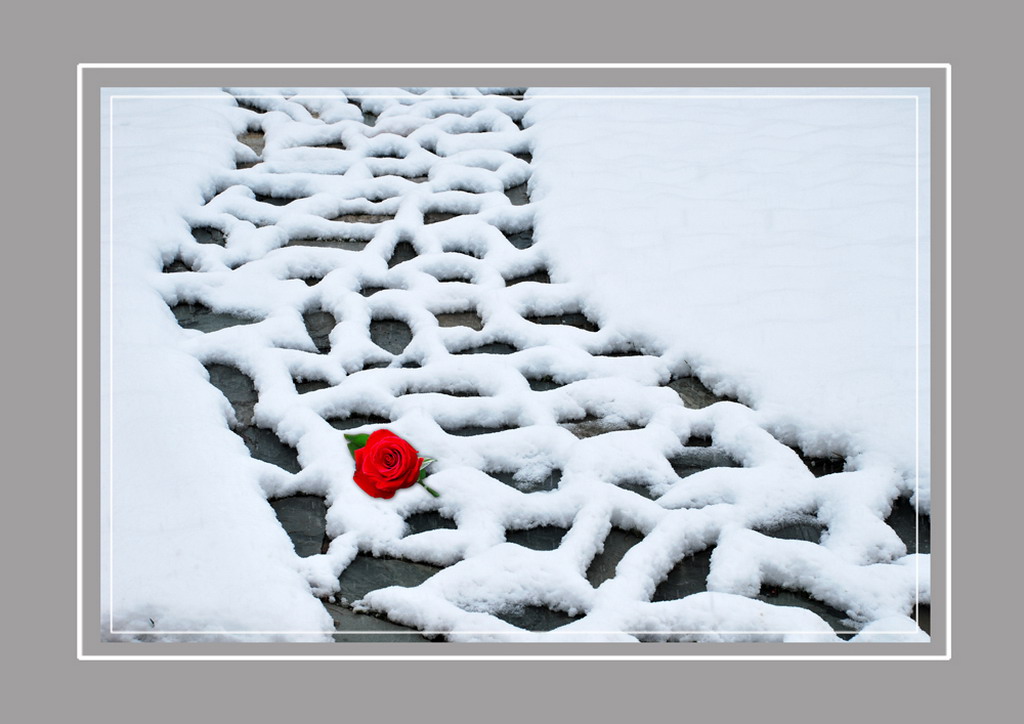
<point>376,261</point>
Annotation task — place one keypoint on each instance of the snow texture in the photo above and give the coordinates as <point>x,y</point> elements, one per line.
<point>770,246</point>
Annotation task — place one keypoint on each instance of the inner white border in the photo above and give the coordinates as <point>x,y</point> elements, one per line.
<point>646,96</point>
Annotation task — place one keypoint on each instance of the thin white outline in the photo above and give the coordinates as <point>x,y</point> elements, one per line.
<point>945,67</point>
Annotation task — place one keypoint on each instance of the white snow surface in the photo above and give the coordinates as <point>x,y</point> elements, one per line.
<point>772,246</point>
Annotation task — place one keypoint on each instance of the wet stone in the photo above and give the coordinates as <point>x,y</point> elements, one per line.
<point>367,573</point>
<point>519,239</point>
<point>694,460</point>
<point>698,441</point>
<point>304,386</point>
<point>541,484</point>
<point>688,576</point>
<point>331,243</point>
<point>518,195</point>
<point>392,335</point>
<point>427,520</point>
<point>543,384</point>
<point>569,319</point>
<point>370,291</point>
<point>694,393</point>
<point>592,425</point>
<point>473,430</point>
<point>369,119</point>
<point>242,165</point>
<point>778,596</point>
<point>355,218</point>
<point>254,140</point>
<point>403,251</point>
<point>809,530</point>
<point>541,538</point>
<point>433,217</point>
<point>337,145</point>
<point>460,319</point>
<point>248,104</point>
<point>357,420</point>
<point>452,276</point>
<point>176,266</point>
<point>265,445</point>
<point>238,387</point>
<point>352,627</point>
<point>823,466</point>
<point>913,529</point>
<point>923,616</point>
<point>616,545</point>
<point>490,348</point>
<point>628,350</point>
<point>201,317</point>
<point>535,618</point>
<point>540,276</point>
<point>463,250</point>
<point>303,518</point>
<point>524,156</point>
<point>639,487</point>
<point>319,325</point>
<point>274,200</point>
<point>311,281</point>
<point>386,154</point>
<point>209,235</point>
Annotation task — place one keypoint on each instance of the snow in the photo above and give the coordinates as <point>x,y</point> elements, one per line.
<point>769,245</point>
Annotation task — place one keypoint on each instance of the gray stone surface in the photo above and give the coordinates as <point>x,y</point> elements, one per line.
<point>392,335</point>
<point>778,596</point>
<point>535,618</point>
<point>693,392</point>
<point>303,518</point>
<point>694,459</point>
<point>542,384</point>
<point>688,576</point>
<point>357,218</point>
<point>356,420</point>
<point>433,217</point>
<point>265,445</point>
<point>520,239</point>
<point>539,484</point>
<point>518,195</point>
<point>541,538</point>
<point>592,425</point>
<point>569,319</point>
<point>490,348</point>
<point>209,235</point>
<point>403,251</point>
<point>427,520</point>
<point>472,430</point>
<point>616,545</point>
<point>367,573</point>
<point>913,529</point>
<point>540,276</point>
<point>352,627</point>
<point>238,388</point>
<point>319,325</point>
<point>254,140</point>
<point>468,318</point>
<point>200,317</point>
<point>808,529</point>
<point>304,386</point>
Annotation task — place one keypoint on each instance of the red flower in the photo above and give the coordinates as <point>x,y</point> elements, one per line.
<point>385,463</point>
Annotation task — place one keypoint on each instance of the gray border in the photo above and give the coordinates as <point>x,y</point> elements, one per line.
<point>979,39</point>
<point>96,78</point>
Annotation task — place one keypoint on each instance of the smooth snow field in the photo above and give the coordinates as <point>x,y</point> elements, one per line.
<point>667,347</point>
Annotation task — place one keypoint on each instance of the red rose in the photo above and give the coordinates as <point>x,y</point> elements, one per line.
<point>386,463</point>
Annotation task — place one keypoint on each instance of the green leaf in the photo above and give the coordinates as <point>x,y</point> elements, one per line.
<point>355,442</point>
